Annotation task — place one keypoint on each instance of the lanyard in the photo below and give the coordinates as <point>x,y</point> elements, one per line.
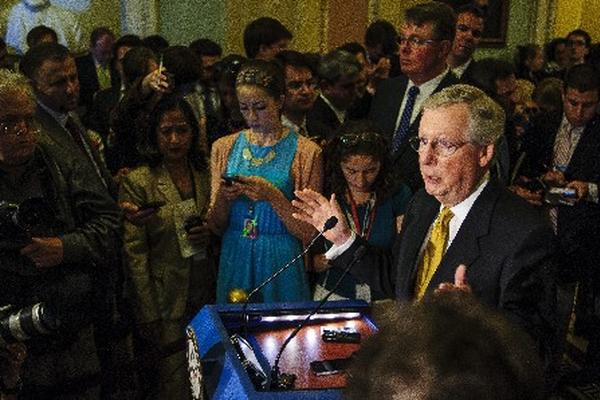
<point>364,229</point>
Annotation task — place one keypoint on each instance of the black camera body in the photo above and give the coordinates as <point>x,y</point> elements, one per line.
<point>19,222</point>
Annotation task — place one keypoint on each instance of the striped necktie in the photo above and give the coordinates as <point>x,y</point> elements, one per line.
<point>404,125</point>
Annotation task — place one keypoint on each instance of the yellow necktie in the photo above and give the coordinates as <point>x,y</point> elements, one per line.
<point>434,251</point>
<point>103,74</point>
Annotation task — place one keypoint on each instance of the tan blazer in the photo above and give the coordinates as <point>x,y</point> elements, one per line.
<point>159,277</point>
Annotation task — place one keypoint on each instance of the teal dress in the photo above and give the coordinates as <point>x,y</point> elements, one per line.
<point>248,258</point>
<point>383,234</point>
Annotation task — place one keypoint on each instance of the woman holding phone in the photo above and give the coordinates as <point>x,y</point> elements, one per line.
<point>166,259</point>
<point>252,209</point>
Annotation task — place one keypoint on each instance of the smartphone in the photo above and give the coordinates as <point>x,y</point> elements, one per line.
<point>329,367</point>
<point>229,179</point>
<point>155,205</point>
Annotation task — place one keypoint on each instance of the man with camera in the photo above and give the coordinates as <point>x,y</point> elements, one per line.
<point>63,224</point>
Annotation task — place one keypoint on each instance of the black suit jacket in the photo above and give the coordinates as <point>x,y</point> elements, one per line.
<point>384,113</point>
<point>505,243</point>
<point>321,121</point>
<point>88,80</point>
<point>578,227</point>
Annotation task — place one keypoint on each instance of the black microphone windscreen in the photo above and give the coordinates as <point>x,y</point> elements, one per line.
<point>330,223</point>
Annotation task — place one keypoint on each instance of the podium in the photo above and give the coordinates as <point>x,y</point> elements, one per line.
<point>228,368</point>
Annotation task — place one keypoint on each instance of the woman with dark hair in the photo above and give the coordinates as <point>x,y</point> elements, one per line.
<point>357,171</point>
<point>166,258</point>
<point>251,208</point>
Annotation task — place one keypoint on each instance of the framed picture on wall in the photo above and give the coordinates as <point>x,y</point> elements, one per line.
<point>496,21</point>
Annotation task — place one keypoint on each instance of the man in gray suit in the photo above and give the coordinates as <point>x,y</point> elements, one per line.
<point>53,74</point>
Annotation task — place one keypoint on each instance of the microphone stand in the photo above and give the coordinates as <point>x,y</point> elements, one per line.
<point>330,223</point>
<point>275,376</point>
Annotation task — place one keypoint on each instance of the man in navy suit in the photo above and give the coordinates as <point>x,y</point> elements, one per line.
<point>425,41</point>
<point>495,245</point>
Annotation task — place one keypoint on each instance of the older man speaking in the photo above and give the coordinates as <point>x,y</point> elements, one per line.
<point>462,218</point>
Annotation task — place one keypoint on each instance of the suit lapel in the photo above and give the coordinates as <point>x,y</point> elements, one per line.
<point>465,246</point>
<point>166,186</point>
<point>585,152</point>
<point>449,79</point>
<point>414,235</point>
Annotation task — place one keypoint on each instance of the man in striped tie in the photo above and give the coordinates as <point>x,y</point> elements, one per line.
<point>425,40</point>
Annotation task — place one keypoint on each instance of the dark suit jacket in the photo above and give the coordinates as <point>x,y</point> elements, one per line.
<point>467,75</point>
<point>578,226</point>
<point>321,121</point>
<point>384,113</point>
<point>54,135</point>
<point>505,243</point>
<point>88,80</point>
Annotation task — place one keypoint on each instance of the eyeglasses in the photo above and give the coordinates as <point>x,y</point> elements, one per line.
<point>440,147</point>
<point>353,139</point>
<point>18,126</point>
<point>415,41</point>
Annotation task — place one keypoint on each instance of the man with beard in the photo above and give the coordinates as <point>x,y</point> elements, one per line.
<point>300,90</point>
<point>53,74</point>
<point>469,27</point>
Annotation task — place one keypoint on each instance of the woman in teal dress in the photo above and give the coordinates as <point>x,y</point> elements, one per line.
<point>253,213</point>
<point>358,175</point>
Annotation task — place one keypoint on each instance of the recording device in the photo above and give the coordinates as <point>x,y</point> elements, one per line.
<point>20,222</point>
<point>152,205</point>
<point>329,367</point>
<point>18,325</point>
<point>279,380</point>
<point>340,335</point>
<point>329,224</point>
<point>192,221</point>
<point>229,179</point>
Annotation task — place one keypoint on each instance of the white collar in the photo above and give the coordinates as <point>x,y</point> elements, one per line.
<point>340,114</point>
<point>460,70</point>
<point>61,118</point>
<point>461,210</point>
<point>426,89</point>
<point>285,121</point>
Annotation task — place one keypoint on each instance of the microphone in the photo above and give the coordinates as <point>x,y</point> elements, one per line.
<point>329,224</point>
<point>285,381</point>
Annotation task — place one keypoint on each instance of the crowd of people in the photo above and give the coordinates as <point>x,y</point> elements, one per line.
<point>175,176</point>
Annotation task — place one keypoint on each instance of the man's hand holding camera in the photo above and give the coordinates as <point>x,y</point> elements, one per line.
<point>44,252</point>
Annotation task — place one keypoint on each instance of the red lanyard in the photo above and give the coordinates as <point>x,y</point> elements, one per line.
<point>365,229</point>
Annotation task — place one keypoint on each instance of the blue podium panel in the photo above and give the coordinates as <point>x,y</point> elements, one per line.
<point>232,369</point>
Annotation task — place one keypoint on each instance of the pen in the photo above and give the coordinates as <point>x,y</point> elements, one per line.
<point>160,65</point>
